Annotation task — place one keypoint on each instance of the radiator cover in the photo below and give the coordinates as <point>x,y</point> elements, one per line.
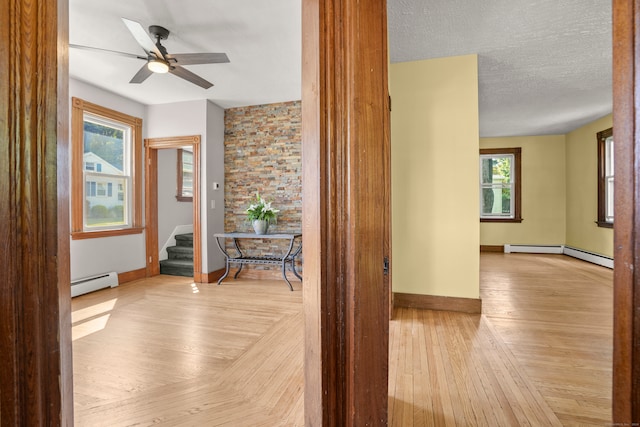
<point>94,283</point>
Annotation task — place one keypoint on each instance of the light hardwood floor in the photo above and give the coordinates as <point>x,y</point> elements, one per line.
<point>165,351</point>
<point>539,355</point>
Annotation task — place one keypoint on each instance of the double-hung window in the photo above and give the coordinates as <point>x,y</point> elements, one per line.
<point>106,150</point>
<point>605,178</point>
<point>500,185</point>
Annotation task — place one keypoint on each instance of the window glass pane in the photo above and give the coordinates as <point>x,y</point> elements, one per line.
<point>610,204</point>
<point>103,208</point>
<point>187,173</point>
<point>486,167</point>
<point>609,155</point>
<point>487,200</point>
<point>104,144</point>
<point>505,201</point>
<point>105,158</point>
<point>502,169</point>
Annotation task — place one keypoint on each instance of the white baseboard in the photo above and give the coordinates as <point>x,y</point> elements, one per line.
<point>589,256</point>
<point>561,249</point>
<point>534,249</point>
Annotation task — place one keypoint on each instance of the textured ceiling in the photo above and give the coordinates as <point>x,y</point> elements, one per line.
<point>544,65</point>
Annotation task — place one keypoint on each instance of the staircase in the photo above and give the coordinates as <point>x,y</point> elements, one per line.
<point>180,262</point>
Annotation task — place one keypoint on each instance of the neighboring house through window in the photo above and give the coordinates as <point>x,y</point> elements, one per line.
<point>605,178</point>
<point>106,150</point>
<point>500,185</point>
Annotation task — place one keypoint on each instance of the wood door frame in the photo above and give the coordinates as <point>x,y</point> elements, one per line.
<point>152,145</point>
<point>49,348</point>
<point>345,203</point>
<point>626,230</point>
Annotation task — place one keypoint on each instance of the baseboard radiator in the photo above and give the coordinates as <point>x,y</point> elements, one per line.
<point>589,256</point>
<point>93,283</point>
<point>534,249</point>
<point>561,249</point>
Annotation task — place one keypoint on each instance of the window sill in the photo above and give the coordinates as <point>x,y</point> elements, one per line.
<point>79,235</point>
<point>604,224</point>
<point>515,220</point>
<point>184,199</point>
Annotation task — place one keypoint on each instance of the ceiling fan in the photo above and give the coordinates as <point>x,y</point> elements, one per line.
<point>158,60</point>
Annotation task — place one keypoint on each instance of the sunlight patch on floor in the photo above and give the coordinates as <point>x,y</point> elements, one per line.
<point>91,319</point>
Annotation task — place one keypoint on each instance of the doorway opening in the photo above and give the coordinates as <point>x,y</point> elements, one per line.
<point>152,145</point>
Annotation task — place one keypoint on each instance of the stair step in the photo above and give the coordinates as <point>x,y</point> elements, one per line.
<point>184,239</point>
<point>180,252</point>
<point>176,267</point>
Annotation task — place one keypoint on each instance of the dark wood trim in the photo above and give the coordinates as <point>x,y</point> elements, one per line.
<point>626,275</point>
<point>130,276</point>
<point>492,248</point>
<point>517,154</point>
<point>152,145</point>
<point>434,302</point>
<point>63,341</point>
<point>604,224</point>
<point>602,202</point>
<point>344,125</point>
<point>35,338</point>
<point>516,220</point>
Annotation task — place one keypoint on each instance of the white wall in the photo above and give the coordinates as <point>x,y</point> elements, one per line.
<point>121,253</point>
<point>171,212</point>
<point>213,153</point>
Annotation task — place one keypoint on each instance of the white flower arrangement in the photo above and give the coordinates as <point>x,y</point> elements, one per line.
<point>260,209</point>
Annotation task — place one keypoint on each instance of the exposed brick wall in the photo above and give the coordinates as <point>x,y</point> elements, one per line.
<point>262,152</point>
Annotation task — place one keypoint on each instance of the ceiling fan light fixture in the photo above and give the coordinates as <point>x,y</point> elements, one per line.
<point>158,66</point>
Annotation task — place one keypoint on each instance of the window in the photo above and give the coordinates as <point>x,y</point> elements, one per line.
<point>500,192</point>
<point>605,178</point>
<point>106,150</point>
<point>185,176</point>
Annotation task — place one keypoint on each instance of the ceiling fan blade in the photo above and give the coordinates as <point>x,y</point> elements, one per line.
<point>113,52</point>
<point>199,58</point>
<point>142,74</point>
<point>142,37</point>
<point>189,76</point>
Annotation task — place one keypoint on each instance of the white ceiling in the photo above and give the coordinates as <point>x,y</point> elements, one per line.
<point>544,65</point>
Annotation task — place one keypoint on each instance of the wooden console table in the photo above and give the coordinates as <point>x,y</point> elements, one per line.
<point>241,259</point>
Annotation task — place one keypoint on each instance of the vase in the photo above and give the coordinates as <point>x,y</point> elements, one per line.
<point>261,226</point>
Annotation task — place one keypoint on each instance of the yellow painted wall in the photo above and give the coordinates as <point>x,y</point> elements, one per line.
<point>582,190</point>
<point>543,193</point>
<point>434,176</point>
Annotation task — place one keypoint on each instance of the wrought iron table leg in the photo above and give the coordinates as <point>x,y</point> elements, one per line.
<point>293,267</point>
<point>226,256</point>
<point>293,261</point>
<point>235,276</point>
<point>284,263</point>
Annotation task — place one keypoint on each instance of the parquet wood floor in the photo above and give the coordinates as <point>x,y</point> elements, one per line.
<point>165,351</point>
